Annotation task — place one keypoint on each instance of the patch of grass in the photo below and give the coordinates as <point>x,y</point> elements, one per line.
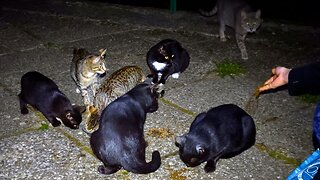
<point>228,68</point>
<point>278,155</point>
<point>309,98</point>
<point>44,126</point>
<point>178,107</point>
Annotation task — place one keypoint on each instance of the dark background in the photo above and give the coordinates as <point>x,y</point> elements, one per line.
<point>303,12</point>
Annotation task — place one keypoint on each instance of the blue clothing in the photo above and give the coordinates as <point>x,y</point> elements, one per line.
<point>316,128</point>
<point>306,80</point>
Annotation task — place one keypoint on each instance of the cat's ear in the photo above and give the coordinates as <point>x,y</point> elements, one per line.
<point>258,13</point>
<point>158,90</point>
<point>243,14</point>
<point>81,109</point>
<point>180,140</point>
<point>103,53</point>
<point>200,149</point>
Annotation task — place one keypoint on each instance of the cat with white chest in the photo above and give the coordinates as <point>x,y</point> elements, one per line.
<point>238,15</point>
<point>167,58</point>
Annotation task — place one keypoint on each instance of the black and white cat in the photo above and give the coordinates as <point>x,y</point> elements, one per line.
<point>43,94</point>
<point>222,132</point>
<point>119,141</point>
<point>167,58</point>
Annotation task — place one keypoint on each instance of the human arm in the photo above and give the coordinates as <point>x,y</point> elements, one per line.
<point>300,80</point>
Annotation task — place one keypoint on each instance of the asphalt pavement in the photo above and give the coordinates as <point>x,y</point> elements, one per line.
<point>41,35</point>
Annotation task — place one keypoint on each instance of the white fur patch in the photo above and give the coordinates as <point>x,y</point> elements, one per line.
<point>78,91</point>
<point>58,119</point>
<point>90,74</point>
<point>159,66</point>
<point>175,75</point>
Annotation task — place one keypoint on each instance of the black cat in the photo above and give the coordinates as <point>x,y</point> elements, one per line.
<point>119,141</point>
<point>43,94</point>
<point>167,58</point>
<point>222,132</point>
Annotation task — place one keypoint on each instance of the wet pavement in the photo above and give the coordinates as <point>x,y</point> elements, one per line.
<point>40,36</point>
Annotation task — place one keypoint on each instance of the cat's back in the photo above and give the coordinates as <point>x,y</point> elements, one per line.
<point>35,81</point>
<point>123,79</point>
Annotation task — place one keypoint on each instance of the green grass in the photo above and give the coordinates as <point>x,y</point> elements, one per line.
<point>228,68</point>
<point>44,126</point>
<point>309,98</point>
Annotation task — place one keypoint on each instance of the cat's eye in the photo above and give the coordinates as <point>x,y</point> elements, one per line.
<point>172,55</point>
<point>166,57</point>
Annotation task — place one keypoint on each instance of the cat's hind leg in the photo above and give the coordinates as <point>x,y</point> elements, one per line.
<point>23,105</point>
<point>221,31</point>
<point>103,169</point>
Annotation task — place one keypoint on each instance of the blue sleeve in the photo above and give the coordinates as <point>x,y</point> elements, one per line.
<point>304,79</point>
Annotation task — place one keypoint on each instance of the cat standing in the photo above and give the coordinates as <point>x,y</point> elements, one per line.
<point>116,85</point>
<point>43,94</point>
<point>238,15</point>
<point>167,58</point>
<point>87,70</point>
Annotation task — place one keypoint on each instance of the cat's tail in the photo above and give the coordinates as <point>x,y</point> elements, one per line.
<point>140,166</point>
<point>212,12</point>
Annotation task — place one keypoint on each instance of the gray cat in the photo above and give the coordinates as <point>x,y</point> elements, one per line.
<point>238,15</point>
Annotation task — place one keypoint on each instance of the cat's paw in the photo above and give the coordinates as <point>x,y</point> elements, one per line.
<point>175,75</point>
<point>223,39</point>
<point>209,168</point>
<point>78,91</point>
<point>24,111</point>
<point>108,170</point>
<point>56,123</point>
<point>244,56</point>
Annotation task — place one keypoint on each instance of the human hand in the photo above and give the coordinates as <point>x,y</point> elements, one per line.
<point>278,78</point>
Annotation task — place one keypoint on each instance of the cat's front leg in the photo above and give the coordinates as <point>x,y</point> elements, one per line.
<point>53,120</point>
<point>240,41</point>
<point>210,166</point>
<point>165,75</point>
<point>221,31</point>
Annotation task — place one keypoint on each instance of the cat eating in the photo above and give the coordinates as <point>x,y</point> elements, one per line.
<point>87,70</point>
<point>167,58</point>
<point>119,141</point>
<point>222,132</point>
<point>238,15</point>
<point>43,94</point>
<point>116,85</point>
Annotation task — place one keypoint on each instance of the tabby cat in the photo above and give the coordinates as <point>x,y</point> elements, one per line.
<point>87,71</point>
<point>238,15</point>
<point>117,84</point>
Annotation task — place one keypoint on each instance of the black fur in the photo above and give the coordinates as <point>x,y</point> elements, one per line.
<point>176,64</point>
<point>43,94</point>
<point>222,132</point>
<point>119,141</point>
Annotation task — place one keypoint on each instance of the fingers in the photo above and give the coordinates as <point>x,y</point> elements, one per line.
<point>266,87</point>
